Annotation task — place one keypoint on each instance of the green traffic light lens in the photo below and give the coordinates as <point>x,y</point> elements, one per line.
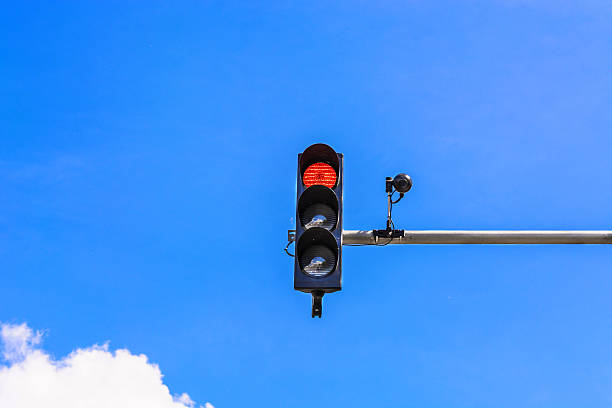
<point>317,261</point>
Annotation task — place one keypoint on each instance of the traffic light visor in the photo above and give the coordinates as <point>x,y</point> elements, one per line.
<point>318,207</point>
<point>319,165</point>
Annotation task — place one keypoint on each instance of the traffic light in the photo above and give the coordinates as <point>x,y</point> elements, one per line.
<point>318,229</point>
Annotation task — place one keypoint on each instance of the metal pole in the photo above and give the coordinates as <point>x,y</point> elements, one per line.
<point>353,237</point>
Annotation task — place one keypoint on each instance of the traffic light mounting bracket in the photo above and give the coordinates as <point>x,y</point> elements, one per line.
<point>290,240</point>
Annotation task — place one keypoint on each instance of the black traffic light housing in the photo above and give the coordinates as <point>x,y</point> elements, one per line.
<point>318,229</point>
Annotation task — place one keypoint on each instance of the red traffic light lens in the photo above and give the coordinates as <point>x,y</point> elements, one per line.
<point>319,174</point>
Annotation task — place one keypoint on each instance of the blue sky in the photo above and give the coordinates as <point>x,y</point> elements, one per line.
<point>147,182</point>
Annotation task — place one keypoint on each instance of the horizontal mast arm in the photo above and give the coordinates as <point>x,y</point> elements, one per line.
<point>356,237</point>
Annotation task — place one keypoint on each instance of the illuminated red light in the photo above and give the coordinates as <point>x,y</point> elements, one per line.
<point>320,174</point>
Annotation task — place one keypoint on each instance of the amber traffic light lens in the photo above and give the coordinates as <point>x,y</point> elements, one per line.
<point>319,215</point>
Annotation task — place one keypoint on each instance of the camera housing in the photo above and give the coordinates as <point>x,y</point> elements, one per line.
<point>402,183</point>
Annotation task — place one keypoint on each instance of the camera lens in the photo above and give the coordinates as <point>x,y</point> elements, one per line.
<point>402,183</point>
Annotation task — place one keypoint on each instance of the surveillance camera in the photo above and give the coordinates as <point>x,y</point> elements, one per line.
<point>402,183</point>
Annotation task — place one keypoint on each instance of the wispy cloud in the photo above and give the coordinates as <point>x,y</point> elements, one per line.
<point>93,377</point>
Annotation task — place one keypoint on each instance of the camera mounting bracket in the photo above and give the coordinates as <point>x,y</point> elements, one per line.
<point>388,233</point>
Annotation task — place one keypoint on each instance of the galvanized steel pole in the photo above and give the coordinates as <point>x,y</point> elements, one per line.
<point>354,237</point>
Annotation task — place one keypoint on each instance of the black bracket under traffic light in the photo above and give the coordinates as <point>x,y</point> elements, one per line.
<point>317,303</point>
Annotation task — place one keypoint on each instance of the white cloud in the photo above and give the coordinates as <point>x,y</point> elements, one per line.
<point>18,341</point>
<point>93,377</point>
